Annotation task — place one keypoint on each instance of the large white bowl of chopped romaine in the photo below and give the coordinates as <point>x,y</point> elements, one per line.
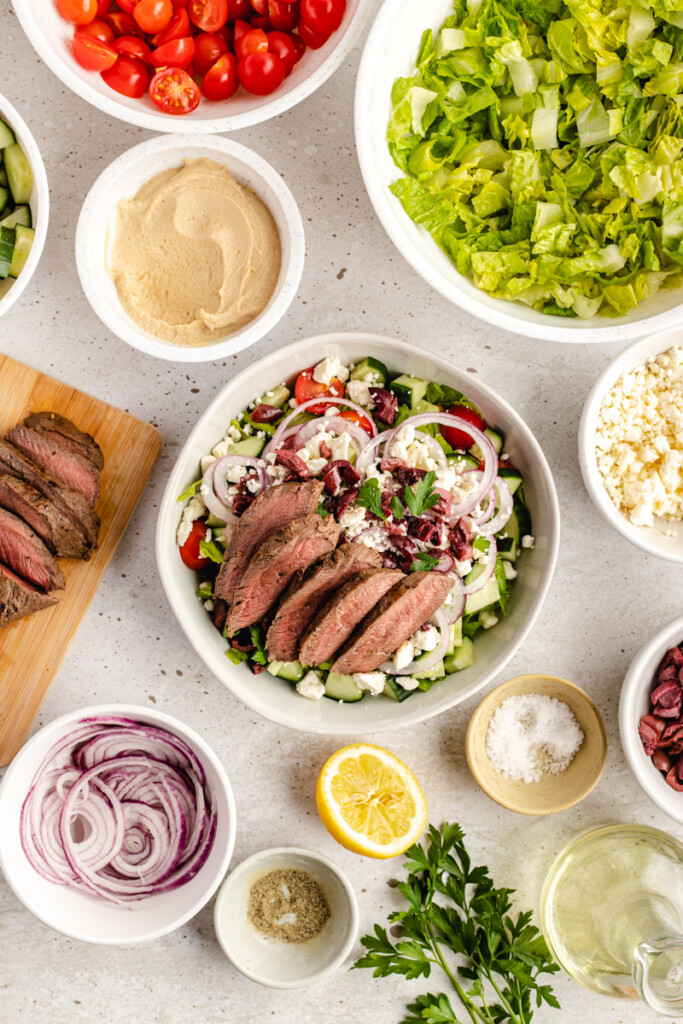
<point>357,535</point>
<point>525,158</point>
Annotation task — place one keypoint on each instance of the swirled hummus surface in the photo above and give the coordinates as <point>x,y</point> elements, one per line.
<point>195,255</point>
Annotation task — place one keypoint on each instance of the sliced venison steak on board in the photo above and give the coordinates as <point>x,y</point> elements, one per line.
<point>54,528</point>
<point>294,546</point>
<point>271,510</point>
<point>60,430</point>
<point>308,590</point>
<point>22,550</point>
<point>19,598</point>
<point>338,618</point>
<point>393,620</point>
<point>73,469</point>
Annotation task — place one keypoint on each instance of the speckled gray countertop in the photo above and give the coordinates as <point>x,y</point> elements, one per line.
<point>607,597</point>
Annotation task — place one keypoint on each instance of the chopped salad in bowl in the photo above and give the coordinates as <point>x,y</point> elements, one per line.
<point>355,530</point>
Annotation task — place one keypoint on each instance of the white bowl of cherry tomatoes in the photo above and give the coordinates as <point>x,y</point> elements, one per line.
<point>193,65</point>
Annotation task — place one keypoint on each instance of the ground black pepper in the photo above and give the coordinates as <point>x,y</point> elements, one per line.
<point>288,904</point>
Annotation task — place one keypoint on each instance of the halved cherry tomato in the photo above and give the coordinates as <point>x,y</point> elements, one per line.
<point>98,29</point>
<point>92,53</point>
<point>238,9</point>
<point>208,47</point>
<point>254,41</point>
<point>129,76</point>
<point>78,12</point>
<point>177,28</point>
<point>189,552</point>
<point>260,6</point>
<point>240,28</point>
<point>208,15</point>
<point>123,24</point>
<point>153,15</point>
<point>127,5</point>
<point>103,6</point>
<point>133,46</point>
<point>174,91</point>
<point>313,39</point>
<point>358,419</point>
<point>283,45</point>
<point>307,388</point>
<point>179,53</point>
<point>323,16</point>
<point>220,81</point>
<point>283,16</point>
<point>460,438</point>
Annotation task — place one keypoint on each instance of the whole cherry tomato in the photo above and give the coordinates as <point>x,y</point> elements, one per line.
<point>260,6</point>
<point>238,9</point>
<point>313,39</point>
<point>129,76</point>
<point>208,15</point>
<point>240,27</point>
<point>254,41</point>
<point>78,12</point>
<point>133,46</point>
<point>92,53</point>
<point>261,21</point>
<point>153,15</point>
<point>208,47</point>
<point>307,388</point>
<point>299,45</point>
<point>177,28</point>
<point>103,6</point>
<point>283,17</point>
<point>323,16</point>
<point>179,53</point>
<point>221,81</point>
<point>123,24</point>
<point>358,419</point>
<point>283,45</point>
<point>190,552</point>
<point>460,438</point>
<point>174,91</point>
<point>98,29</point>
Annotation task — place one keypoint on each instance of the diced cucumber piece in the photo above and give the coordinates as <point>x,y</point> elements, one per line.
<point>7,242</point>
<point>456,636</point>
<point>508,549</point>
<point>19,173</point>
<point>435,672</point>
<point>512,477</point>
<point>19,215</point>
<point>424,406</point>
<point>277,396</point>
<point>394,690</point>
<point>403,413</point>
<point>339,687</point>
<point>462,658</point>
<point>22,248</point>
<point>293,671</point>
<point>409,390</point>
<point>463,462</point>
<point>496,437</point>
<point>489,594</point>
<point>3,174</point>
<point>251,445</point>
<point>519,523</point>
<point>371,368</point>
<point>4,196</point>
<point>7,137</point>
<point>213,521</point>
<point>443,442</point>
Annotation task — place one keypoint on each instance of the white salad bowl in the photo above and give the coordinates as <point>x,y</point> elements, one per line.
<point>664,539</point>
<point>89,918</point>
<point>634,702</point>
<point>10,288</point>
<point>390,52</point>
<point>124,177</point>
<point>272,697</point>
<point>51,37</point>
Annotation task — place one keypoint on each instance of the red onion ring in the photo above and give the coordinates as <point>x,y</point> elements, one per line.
<point>489,567</point>
<point>220,471</point>
<point>368,453</point>
<point>504,503</point>
<point>335,424</point>
<point>334,401</point>
<point>211,500</point>
<point>428,660</point>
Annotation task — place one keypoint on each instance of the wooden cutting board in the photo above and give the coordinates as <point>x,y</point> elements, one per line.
<point>32,649</point>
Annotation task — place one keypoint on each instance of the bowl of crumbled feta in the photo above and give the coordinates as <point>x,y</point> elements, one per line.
<point>357,534</point>
<point>631,444</point>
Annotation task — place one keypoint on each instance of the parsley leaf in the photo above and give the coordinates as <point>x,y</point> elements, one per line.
<point>321,510</point>
<point>422,496</point>
<point>258,640</point>
<point>190,491</point>
<point>422,562</point>
<point>453,908</point>
<point>442,394</point>
<point>209,549</point>
<point>397,509</point>
<point>370,497</point>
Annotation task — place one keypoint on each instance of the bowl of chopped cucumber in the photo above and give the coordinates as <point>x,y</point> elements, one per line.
<point>24,205</point>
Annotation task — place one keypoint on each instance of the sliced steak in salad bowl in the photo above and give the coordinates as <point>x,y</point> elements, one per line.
<point>355,440</point>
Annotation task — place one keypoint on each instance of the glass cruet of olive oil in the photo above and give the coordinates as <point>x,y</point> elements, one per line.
<point>612,912</point>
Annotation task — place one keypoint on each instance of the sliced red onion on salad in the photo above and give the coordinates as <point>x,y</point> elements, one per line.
<point>277,437</point>
<point>487,572</point>
<point>504,504</point>
<point>432,658</point>
<point>333,424</point>
<point>215,486</point>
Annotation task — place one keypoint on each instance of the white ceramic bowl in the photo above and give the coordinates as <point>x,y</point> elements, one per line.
<point>85,917</point>
<point>11,289</point>
<point>279,701</point>
<point>664,539</point>
<point>634,702</point>
<point>271,962</point>
<point>51,37</point>
<point>124,177</point>
<point>390,53</point>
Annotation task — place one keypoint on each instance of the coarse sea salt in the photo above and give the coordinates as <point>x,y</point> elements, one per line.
<point>532,735</point>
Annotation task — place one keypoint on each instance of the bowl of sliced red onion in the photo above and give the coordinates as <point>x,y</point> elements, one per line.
<point>117,824</point>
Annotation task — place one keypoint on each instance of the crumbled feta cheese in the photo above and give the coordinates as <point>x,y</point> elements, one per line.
<point>359,391</point>
<point>373,682</point>
<point>341,446</point>
<point>233,433</point>
<point>311,686</point>
<point>293,402</point>
<point>462,568</point>
<point>315,464</point>
<point>209,605</point>
<point>234,473</point>
<point>456,483</point>
<point>425,639</point>
<point>193,510</point>
<point>253,485</point>
<point>527,541</point>
<point>404,655</point>
<point>277,473</point>
<point>329,368</point>
<point>488,619</point>
<point>409,682</point>
<point>352,521</point>
<point>206,461</point>
<point>510,571</point>
<point>222,447</point>
<point>413,451</point>
<point>248,429</point>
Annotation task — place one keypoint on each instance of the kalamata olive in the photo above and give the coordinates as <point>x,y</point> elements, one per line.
<point>673,780</point>
<point>658,724</point>
<point>661,761</point>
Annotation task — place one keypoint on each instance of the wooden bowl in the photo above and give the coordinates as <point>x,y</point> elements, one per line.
<point>553,792</point>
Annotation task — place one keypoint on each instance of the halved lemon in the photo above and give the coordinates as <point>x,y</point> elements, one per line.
<point>370,801</point>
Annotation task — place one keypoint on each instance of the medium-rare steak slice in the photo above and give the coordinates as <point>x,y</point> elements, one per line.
<point>62,431</point>
<point>24,552</point>
<point>294,546</point>
<point>338,618</point>
<point>70,503</point>
<point>395,618</point>
<point>55,529</point>
<point>308,590</point>
<point>273,509</point>
<point>19,598</point>
<point>73,469</point>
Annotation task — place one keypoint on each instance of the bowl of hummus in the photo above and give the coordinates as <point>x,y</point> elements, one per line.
<point>190,250</point>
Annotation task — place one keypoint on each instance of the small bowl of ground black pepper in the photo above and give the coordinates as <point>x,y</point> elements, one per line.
<point>286,917</point>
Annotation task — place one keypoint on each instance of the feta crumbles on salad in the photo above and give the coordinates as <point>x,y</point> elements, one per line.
<point>354,529</point>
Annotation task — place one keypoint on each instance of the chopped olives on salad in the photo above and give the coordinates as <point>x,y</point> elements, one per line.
<point>404,466</point>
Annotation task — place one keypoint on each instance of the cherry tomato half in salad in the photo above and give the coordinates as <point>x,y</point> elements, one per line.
<point>239,9</point>
<point>133,46</point>
<point>128,75</point>
<point>78,12</point>
<point>179,53</point>
<point>123,24</point>
<point>208,15</point>
<point>323,16</point>
<point>313,39</point>
<point>153,15</point>
<point>358,419</point>
<point>221,81</point>
<point>460,438</point>
<point>174,91</point>
<point>254,41</point>
<point>127,5</point>
<point>177,28</point>
<point>103,6</point>
<point>92,53</point>
<point>98,29</point>
<point>208,47</point>
<point>189,552</point>
<point>306,388</point>
<point>283,17</point>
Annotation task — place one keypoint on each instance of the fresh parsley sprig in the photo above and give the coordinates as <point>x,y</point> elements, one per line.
<point>504,957</point>
<point>422,562</point>
<point>370,497</point>
<point>422,496</point>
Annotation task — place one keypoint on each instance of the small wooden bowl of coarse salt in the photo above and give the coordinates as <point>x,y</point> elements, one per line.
<point>536,744</point>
